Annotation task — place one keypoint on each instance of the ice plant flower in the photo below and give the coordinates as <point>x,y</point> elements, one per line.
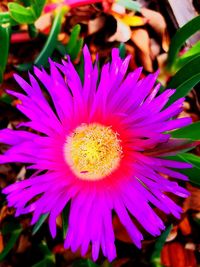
<point>95,152</point>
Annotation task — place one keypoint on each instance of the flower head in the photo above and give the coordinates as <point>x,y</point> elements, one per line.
<point>95,152</point>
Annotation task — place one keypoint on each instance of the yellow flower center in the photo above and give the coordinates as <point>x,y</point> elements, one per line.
<point>93,151</point>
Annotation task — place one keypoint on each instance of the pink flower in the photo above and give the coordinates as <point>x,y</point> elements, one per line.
<point>94,152</point>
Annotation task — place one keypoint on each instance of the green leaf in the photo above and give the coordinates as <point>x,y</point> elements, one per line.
<point>185,79</point>
<point>4,43</point>
<point>75,43</point>
<point>33,32</point>
<point>187,56</point>
<point>155,258</point>
<point>180,37</point>
<point>51,42</point>
<point>28,13</point>
<point>122,50</point>
<point>24,66</point>
<point>48,257</point>
<point>84,263</point>
<point>44,263</point>
<point>185,73</point>
<point>192,173</point>
<point>22,14</point>
<point>40,222</point>
<point>73,38</point>
<point>14,230</point>
<point>65,217</point>
<point>38,6</point>
<point>77,48</point>
<point>80,69</point>
<point>191,131</point>
<point>6,18</point>
<point>130,4</point>
<point>6,98</point>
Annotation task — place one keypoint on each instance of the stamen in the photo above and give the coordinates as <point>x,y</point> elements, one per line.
<point>93,151</point>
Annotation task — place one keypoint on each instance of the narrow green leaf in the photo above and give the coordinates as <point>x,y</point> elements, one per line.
<point>4,44</point>
<point>75,43</point>
<point>195,49</point>
<point>22,14</point>
<point>40,222</point>
<point>48,257</point>
<point>73,39</point>
<point>122,50</point>
<point>61,49</point>
<point>191,131</point>
<point>130,4</point>
<point>184,88</point>
<point>14,230</point>
<point>80,69</point>
<point>65,217</point>
<point>180,37</point>
<point>185,73</point>
<point>76,50</point>
<point>192,173</point>
<point>51,42</point>
<point>187,56</point>
<point>44,263</point>
<point>185,79</point>
<point>155,258</point>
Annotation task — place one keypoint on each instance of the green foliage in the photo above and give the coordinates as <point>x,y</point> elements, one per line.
<point>4,43</point>
<point>192,173</point>
<point>6,98</point>
<point>155,258</point>
<point>33,32</point>
<point>65,216</point>
<point>40,222</point>
<point>185,79</point>
<point>44,263</point>
<point>26,14</point>
<point>187,56</point>
<point>21,14</point>
<point>185,73</point>
<point>13,230</point>
<point>38,6</point>
<point>75,43</point>
<point>6,18</point>
<point>122,50</point>
<point>180,38</point>
<point>51,42</point>
<point>191,132</point>
<point>48,257</point>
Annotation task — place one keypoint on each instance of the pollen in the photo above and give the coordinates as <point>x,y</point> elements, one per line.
<point>93,151</point>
